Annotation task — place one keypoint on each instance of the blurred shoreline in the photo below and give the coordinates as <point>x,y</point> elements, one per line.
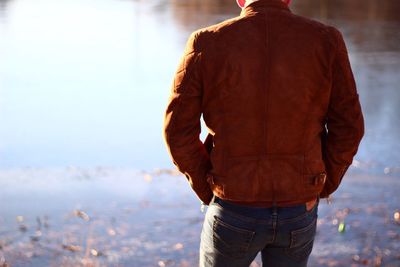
<point>122,217</point>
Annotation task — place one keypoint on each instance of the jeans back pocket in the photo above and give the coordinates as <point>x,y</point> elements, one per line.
<point>301,241</point>
<point>231,241</point>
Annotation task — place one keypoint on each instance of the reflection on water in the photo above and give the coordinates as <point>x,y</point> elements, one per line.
<point>86,82</point>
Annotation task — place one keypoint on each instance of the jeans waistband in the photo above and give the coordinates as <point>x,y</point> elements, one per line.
<point>263,212</point>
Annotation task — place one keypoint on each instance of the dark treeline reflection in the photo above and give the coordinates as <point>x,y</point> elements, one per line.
<point>371,29</point>
<point>355,10</point>
<point>370,24</point>
<point>363,18</point>
<point>3,3</point>
<point>3,6</point>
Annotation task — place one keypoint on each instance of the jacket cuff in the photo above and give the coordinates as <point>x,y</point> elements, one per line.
<point>334,178</point>
<point>198,180</point>
<point>205,195</point>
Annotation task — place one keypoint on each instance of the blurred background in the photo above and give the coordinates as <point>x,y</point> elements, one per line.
<point>85,178</point>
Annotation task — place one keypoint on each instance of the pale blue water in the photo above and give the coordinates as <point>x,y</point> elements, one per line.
<point>85,82</point>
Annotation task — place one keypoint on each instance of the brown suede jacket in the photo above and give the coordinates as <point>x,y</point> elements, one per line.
<point>278,96</point>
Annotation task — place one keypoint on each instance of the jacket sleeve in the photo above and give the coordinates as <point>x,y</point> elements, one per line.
<point>182,122</point>
<point>344,120</point>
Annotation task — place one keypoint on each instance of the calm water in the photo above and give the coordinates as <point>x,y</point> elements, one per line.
<point>85,83</point>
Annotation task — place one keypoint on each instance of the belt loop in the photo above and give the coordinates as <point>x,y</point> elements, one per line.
<point>212,200</point>
<point>274,208</point>
<point>210,178</point>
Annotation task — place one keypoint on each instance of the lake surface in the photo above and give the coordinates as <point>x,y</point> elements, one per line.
<point>83,89</point>
<point>85,83</point>
<point>81,217</point>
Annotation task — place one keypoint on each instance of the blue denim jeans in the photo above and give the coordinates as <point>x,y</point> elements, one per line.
<point>232,235</point>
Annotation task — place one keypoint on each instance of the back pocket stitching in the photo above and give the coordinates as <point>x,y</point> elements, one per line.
<point>307,247</point>
<point>295,233</point>
<point>248,234</point>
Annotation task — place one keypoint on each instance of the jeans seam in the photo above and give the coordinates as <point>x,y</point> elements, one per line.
<point>306,245</point>
<point>274,226</point>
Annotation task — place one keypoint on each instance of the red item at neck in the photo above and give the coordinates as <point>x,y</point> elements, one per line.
<point>242,3</point>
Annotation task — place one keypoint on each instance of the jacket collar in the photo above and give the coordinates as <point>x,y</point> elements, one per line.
<point>260,6</point>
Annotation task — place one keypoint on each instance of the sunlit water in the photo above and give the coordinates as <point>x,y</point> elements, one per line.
<point>85,83</point>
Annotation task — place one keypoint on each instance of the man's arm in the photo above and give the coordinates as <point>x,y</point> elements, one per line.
<point>344,121</point>
<point>182,122</point>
